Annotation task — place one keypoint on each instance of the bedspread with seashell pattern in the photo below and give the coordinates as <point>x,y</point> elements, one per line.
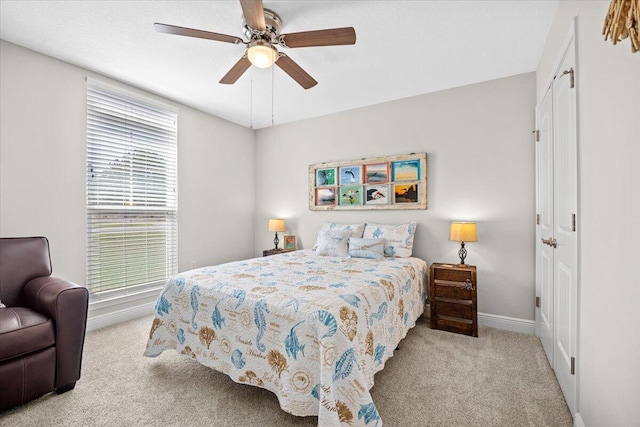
<point>314,330</point>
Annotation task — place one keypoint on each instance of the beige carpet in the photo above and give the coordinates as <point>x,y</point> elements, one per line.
<point>436,379</point>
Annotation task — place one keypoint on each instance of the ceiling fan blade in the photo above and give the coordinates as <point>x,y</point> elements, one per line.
<point>330,37</point>
<point>236,71</point>
<point>253,14</point>
<point>295,71</point>
<point>190,32</point>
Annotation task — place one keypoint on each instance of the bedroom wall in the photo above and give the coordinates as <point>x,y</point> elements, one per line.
<point>480,167</point>
<point>608,83</point>
<point>42,168</point>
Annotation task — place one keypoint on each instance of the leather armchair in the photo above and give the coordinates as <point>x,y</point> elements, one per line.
<point>42,328</point>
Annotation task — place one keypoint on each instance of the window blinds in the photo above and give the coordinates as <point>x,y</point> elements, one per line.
<point>132,201</point>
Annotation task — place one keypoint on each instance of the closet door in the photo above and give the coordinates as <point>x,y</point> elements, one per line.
<point>565,189</point>
<point>557,223</point>
<point>544,221</point>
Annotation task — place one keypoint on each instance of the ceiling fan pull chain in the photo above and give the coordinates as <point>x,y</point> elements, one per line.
<point>251,102</point>
<point>272,121</point>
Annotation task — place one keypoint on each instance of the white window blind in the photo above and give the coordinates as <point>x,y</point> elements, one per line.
<point>132,201</point>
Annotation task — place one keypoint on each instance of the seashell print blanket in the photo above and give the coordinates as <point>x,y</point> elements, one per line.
<point>314,330</point>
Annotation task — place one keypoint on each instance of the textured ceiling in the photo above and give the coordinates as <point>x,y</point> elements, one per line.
<point>403,48</point>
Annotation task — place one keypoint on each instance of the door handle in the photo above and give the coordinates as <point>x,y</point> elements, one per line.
<point>551,241</point>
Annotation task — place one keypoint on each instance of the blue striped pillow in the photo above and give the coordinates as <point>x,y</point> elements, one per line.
<point>366,248</point>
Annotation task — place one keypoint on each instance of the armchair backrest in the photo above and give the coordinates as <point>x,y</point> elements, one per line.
<point>21,260</point>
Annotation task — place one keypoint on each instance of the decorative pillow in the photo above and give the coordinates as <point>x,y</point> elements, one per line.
<point>333,243</point>
<point>366,248</point>
<point>355,229</point>
<point>399,238</point>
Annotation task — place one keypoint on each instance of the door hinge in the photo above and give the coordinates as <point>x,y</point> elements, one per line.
<point>570,72</point>
<point>537,302</point>
<point>573,222</point>
<point>573,366</point>
<point>537,133</point>
<point>538,219</point>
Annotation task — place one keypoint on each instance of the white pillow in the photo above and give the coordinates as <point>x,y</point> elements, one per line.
<point>366,248</point>
<point>355,229</point>
<point>333,243</point>
<point>399,238</point>
<point>2,305</point>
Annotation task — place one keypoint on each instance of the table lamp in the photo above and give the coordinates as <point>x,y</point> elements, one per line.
<point>463,232</point>
<point>276,225</point>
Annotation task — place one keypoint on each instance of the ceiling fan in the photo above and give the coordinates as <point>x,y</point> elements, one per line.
<point>262,28</point>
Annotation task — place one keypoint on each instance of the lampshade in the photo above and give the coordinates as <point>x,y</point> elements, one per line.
<point>463,232</point>
<point>261,54</point>
<point>276,225</point>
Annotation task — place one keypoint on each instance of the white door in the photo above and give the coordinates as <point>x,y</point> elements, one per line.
<point>565,205</point>
<point>544,220</point>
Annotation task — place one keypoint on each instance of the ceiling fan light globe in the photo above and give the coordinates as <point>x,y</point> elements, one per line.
<point>262,55</point>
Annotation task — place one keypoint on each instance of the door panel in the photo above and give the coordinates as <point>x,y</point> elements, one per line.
<point>565,190</point>
<point>546,309</point>
<point>544,230</point>
<point>565,175</point>
<point>564,339</point>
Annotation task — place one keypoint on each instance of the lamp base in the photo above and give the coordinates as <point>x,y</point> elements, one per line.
<point>462,253</point>
<point>276,241</point>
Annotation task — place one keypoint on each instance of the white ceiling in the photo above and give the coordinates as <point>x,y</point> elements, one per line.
<point>403,48</point>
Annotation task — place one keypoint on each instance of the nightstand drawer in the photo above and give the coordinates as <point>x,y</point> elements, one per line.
<point>451,275</point>
<point>460,326</point>
<point>454,308</point>
<point>454,290</point>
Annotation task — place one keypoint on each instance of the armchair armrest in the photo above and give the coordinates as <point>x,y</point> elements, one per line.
<point>66,304</point>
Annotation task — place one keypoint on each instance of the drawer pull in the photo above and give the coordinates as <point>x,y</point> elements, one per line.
<point>468,285</point>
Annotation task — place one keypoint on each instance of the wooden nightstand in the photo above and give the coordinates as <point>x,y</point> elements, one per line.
<point>453,296</point>
<point>268,252</point>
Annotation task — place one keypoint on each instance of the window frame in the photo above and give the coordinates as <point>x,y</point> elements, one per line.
<point>143,215</point>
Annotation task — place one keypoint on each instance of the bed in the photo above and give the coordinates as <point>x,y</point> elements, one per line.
<point>312,329</point>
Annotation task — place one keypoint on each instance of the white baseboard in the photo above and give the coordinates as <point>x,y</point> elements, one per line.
<point>507,323</point>
<point>577,421</point>
<point>117,316</point>
<point>499,322</point>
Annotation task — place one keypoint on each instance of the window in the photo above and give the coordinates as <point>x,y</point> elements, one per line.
<point>132,203</point>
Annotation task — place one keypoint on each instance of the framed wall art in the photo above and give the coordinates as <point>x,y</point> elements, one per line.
<point>350,195</point>
<point>377,173</point>
<point>325,196</point>
<point>406,193</point>
<point>326,176</point>
<point>289,243</point>
<point>392,182</point>
<point>377,194</point>
<point>350,175</point>
<point>407,170</point>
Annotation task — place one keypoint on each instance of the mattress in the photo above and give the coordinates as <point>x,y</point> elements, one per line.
<point>312,329</point>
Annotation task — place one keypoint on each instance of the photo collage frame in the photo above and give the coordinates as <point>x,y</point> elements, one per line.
<point>392,182</point>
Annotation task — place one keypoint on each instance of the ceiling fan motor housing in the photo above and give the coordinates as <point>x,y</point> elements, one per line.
<point>273,24</point>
